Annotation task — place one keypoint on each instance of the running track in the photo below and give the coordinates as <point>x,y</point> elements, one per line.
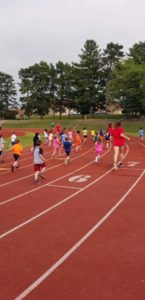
<point>63,240</point>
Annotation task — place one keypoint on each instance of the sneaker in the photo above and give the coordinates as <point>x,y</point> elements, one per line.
<point>12,168</point>
<point>36,181</point>
<point>42,176</point>
<point>115,167</point>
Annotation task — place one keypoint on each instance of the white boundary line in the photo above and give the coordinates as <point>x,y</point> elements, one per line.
<point>57,204</point>
<point>64,186</point>
<point>54,206</point>
<point>78,244</point>
<point>48,169</point>
<point>47,184</point>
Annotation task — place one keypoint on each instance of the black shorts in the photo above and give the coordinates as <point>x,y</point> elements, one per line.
<point>85,136</point>
<point>16,156</point>
<point>1,152</point>
<point>67,153</point>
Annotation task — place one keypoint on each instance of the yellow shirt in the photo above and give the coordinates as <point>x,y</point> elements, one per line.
<point>92,132</point>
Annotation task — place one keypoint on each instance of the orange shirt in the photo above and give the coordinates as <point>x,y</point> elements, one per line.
<point>17,149</point>
<point>78,140</point>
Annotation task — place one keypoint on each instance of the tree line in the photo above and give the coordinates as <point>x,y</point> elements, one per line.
<point>97,80</point>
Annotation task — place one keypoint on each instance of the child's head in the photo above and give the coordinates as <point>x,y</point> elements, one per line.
<point>38,143</point>
<point>78,131</point>
<point>17,141</point>
<point>118,124</point>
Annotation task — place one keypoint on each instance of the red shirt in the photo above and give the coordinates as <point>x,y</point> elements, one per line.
<point>116,132</point>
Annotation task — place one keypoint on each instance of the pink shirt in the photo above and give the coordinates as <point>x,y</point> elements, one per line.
<point>70,134</point>
<point>99,147</point>
<point>56,143</point>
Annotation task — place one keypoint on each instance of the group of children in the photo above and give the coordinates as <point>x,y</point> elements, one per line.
<point>61,139</point>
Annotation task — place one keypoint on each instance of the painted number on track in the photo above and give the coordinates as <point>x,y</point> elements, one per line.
<point>79,178</point>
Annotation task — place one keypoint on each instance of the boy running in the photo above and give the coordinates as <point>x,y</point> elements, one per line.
<point>67,147</point>
<point>39,162</point>
<point>17,151</point>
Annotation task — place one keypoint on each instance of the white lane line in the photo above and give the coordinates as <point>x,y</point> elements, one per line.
<point>54,206</point>
<point>47,184</point>
<point>48,169</point>
<point>64,186</point>
<point>131,169</point>
<point>78,244</point>
<point>57,204</point>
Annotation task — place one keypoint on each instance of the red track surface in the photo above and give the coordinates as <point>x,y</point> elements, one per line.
<point>74,240</point>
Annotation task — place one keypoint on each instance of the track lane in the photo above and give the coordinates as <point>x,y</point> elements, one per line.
<point>67,223</point>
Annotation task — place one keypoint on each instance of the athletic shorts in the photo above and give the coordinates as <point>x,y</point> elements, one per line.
<point>16,156</point>
<point>39,167</point>
<point>85,136</point>
<point>1,152</point>
<point>67,153</point>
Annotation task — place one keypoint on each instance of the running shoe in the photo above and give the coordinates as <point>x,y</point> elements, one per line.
<point>42,176</point>
<point>36,181</point>
<point>115,167</point>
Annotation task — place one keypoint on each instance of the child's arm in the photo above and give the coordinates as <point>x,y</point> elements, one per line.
<point>41,154</point>
<point>124,136</point>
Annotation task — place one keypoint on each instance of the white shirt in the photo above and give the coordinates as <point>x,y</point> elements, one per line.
<point>13,137</point>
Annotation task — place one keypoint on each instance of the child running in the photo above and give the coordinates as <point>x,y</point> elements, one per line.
<point>141,133</point>
<point>70,135</point>
<point>50,138</point>
<point>67,147</point>
<point>56,146</point>
<point>46,136</point>
<point>85,134</point>
<point>39,162</point>
<point>78,141</point>
<point>99,148</point>
<point>17,151</point>
<point>2,147</point>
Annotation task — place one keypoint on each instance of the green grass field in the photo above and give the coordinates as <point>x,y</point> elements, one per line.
<point>131,126</point>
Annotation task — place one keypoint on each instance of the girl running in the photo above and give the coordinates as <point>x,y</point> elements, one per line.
<point>56,146</point>
<point>119,142</point>
<point>99,149</point>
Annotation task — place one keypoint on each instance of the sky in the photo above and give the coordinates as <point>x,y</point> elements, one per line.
<point>51,30</point>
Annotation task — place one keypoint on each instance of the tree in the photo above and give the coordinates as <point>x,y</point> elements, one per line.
<point>110,59</point>
<point>8,93</point>
<point>35,88</point>
<point>137,52</point>
<point>127,87</point>
<point>64,89</point>
<point>87,77</point>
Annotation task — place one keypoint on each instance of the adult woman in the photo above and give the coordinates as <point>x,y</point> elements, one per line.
<point>119,141</point>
